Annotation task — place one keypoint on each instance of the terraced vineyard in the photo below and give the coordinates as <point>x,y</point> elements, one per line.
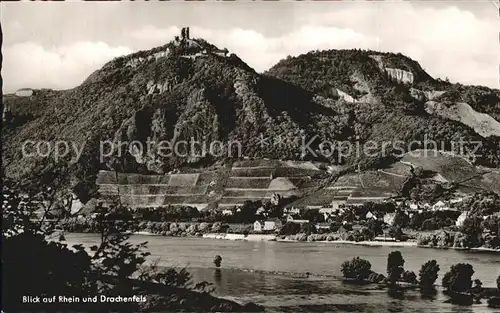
<point>246,180</point>
<point>358,188</point>
<point>258,179</point>
<point>137,190</point>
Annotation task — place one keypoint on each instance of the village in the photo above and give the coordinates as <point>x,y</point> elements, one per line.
<point>444,223</point>
<point>385,213</point>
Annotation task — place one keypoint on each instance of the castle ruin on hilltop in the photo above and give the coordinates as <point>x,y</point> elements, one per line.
<point>188,49</point>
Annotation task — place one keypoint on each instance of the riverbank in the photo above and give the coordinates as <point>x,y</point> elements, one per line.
<point>269,237</point>
<point>216,231</point>
<point>373,243</point>
<point>243,237</point>
<point>477,249</point>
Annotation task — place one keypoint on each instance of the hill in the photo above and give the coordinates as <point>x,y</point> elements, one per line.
<point>392,81</point>
<point>191,91</point>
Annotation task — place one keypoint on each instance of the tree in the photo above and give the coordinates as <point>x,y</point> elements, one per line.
<point>409,277</point>
<point>396,232</point>
<point>307,228</point>
<point>395,263</point>
<point>217,260</point>
<point>478,285</point>
<point>401,219</point>
<point>289,228</point>
<point>313,216</point>
<point>492,224</point>
<point>459,278</point>
<point>115,267</point>
<point>375,226</point>
<point>247,212</point>
<point>428,274</point>
<point>473,231</point>
<point>356,268</point>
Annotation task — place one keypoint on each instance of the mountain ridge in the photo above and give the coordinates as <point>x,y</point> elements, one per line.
<point>195,90</point>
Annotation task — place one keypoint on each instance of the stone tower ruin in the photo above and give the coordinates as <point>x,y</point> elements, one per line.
<point>185,33</point>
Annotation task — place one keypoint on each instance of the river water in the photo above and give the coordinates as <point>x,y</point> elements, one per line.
<point>287,294</point>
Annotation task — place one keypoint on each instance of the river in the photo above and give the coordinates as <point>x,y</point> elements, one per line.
<point>287,294</point>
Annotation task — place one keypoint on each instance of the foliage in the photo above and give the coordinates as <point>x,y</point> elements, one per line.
<point>473,231</point>
<point>356,268</point>
<point>307,228</point>
<point>458,278</point>
<point>375,226</point>
<point>492,225</point>
<point>167,214</point>
<point>441,239</point>
<point>290,228</point>
<point>395,263</point>
<point>481,204</point>
<point>433,220</point>
<point>223,99</point>
<point>428,273</point>
<point>115,267</point>
<point>401,219</point>
<point>409,277</point>
<point>396,233</point>
<point>217,260</point>
<point>247,212</point>
<point>312,215</point>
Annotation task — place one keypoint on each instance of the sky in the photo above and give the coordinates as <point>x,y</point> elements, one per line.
<point>58,44</point>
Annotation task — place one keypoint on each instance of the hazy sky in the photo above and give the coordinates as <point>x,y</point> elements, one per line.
<point>58,44</point>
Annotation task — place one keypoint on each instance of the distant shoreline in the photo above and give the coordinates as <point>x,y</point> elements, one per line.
<point>374,243</point>
<point>363,243</point>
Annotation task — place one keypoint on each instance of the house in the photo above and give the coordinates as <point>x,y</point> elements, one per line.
<point>461,218</point>
<point>389,218</point>
<point>268,225</point>
<point>370,216</point>
<point>258,226</point>
<point>272,224</point>
<point>227,212</point>
<point>261,211</point>
<point>440,206</point>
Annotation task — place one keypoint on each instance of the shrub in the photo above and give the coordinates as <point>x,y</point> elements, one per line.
<point>356,268</point>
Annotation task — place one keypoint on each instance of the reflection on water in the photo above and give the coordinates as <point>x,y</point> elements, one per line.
<point>284,294</point>
<point>218,277</point>
<point>313,294</point>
